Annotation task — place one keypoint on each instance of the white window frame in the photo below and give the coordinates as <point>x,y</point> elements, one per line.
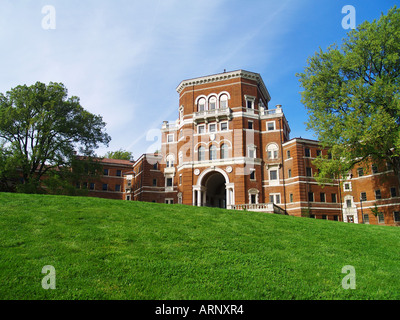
<point>348,184</point>
<point>250,99</point>
<point>169,136</point>
<point>227,126</point>
<point>274,197</point>
<point>252,148</point>
<point>273,181</point>
<point>209,126</point>
<point>201,126</point>
<point>273,124</point>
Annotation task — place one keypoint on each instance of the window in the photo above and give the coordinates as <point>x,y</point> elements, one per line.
<point>119,173</point>
<point>180,157</point>
<point>360,172</point>
<point>348,203</point>
<point>378,194</point>
<point>169,182</point>
<point>213,152</point>
<point>252,174</point>
<point>91,186</point>
<point>324,217</point>
<point>318,152</point>
<point>273,175</point>
<point>322,196</point>
<point>77,185</point>
<point>224,126</point>
<point>336,218</point>
<point>249,104</point>
<point>270,126</point>
<point>212,103</point>
<point>201,129</point>
<point>212,127</point>
<point>289,173</point>
<point>272,151</point>
<point>275,198</point>
<point>393,192</point>
<point>311,196</point>
<point>170,161</point>
<point>308,172</point>
<point>374,169</point>
<point>366,218</point>
<point>169,201</point>
<point>170,138</point>
<point>291,197</point>
<point>288,154</point>
<point>381,218</point>
<point>253,199</point>
<point>180,179</point>
<point>224,151</point>
<point>128,197</point>
<point>105,172</point>
<point>201,104</point>
<point>223,101</point>
<point>201,153</point>
<point>251,152</point>
<point>333,197</point>
<point>307,152</point>
<point>154,182</point>
<point>118,187</point>
<point>105,186</point>
<point>250,125</point>
<point>347,186</point>
<point>363,196</point>
<point>396,216</point>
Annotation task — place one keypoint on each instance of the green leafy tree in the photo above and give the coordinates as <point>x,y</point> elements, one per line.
<point>352,95</point>
<point>40,128</point>
<point>120,154</point>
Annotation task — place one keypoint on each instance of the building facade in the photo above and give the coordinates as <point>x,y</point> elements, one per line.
<point>230,149</point>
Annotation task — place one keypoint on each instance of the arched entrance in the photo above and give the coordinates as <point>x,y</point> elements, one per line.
<point>213,189</point>
<point>214,183</point>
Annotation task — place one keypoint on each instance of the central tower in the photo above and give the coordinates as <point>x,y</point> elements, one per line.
<point>224,149</point>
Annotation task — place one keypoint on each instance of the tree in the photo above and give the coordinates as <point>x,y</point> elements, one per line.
<point>352,96</point>
<point>41,127</point>
<point>120,154</point>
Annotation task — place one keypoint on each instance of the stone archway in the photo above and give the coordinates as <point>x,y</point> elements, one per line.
<point>213,189</point>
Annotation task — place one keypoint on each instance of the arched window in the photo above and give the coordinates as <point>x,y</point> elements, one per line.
<point>201,153</point>
<point>212,103</point>
<point>224,151</point>
<point>213,152</point>
<point>223,101</point>
<point>201,104</point>
<point>272,151</point>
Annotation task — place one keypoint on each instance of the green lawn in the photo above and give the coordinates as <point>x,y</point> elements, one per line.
<point>110,249</point>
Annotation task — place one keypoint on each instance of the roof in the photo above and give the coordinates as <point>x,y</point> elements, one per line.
<point>225,76</point>
<point>109,161</point>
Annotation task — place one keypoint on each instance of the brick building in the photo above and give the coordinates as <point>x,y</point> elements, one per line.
<point>230,149</point>
<point>109,183</point>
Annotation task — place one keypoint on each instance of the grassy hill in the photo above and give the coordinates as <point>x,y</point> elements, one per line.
<point>105,249</point>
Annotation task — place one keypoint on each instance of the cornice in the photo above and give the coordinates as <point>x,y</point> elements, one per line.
<point>226,76</point>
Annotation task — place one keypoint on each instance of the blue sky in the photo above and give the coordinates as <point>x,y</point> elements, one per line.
<point>125,58</point>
